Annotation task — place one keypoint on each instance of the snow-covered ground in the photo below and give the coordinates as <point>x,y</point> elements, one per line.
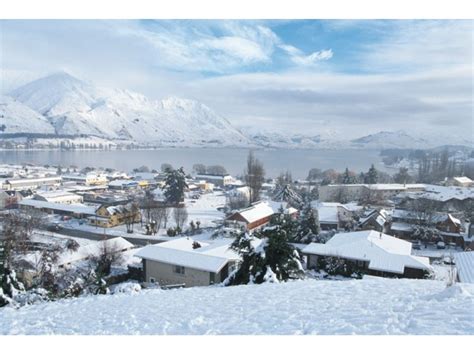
<point>369,306</point>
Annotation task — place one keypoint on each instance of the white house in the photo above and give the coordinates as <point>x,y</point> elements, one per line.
<point>187,262</point>
<point>218,180</point>
<point>88,179</point>
<point>371,252</point>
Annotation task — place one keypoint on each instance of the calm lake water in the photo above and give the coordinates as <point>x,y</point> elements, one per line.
<point>299,162</point>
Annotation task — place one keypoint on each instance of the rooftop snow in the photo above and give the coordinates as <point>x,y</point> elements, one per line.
<point>209,257</point>
<point>256,212</point>
<point>73,208</point>
<point>382,251</point>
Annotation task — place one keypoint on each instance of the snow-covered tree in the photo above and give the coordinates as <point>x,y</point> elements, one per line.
<point>175,184</point>
<point>348,177</point>
<point>308,225</point>
<point>273,260</point>
<point>287,194</point>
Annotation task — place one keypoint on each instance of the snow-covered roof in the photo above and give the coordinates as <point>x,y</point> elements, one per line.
<point>73,208</point>
<point>256,212</point>
<point>401,226</point>
<point>55,194</point>
<point>122,182</point>
<point>382,251</point>
<point>463,180</point>
<point>465,266</point>
<point>442,193</point>
<point>211,257</point>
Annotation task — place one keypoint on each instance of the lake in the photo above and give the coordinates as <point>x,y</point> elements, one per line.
<point>298,161</point>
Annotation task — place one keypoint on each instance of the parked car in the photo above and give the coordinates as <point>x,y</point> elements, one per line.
<point>416,246</point>
<point>54,227</point>
<point>441,245</point>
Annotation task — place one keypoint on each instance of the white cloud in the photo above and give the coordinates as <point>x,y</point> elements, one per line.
<point>299,58</point>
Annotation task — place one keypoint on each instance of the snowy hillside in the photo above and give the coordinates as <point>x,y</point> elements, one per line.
<point>369,306</point>
<point>387,139</point>
<point>76,107</point>
<point>18,118</point>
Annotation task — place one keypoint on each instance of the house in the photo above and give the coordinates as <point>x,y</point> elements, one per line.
<point>465,266</point>
<point>334,215</point>
<point>122,184</point>
<point>370,252</point>
<point>376,192</point>
<point>446,226</point>
<point>110,216</point>
<point>58,196</point>
<point>89,179</point>
<point>9,199</point>
<point>218,180</point>
<point>187,262</point>
<point>253,217</point>
<point>73,210</point>
<point>445,198</point>
<point>32,183</point>
<point>374,220</point>
<point>462,181</point>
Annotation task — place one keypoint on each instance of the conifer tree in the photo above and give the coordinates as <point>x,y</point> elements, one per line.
<point>308,226</point>
<point>372,175</point>
<point>175,184</point>
<point>274,259</point>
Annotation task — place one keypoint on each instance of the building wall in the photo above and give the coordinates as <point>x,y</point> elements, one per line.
<point>164,274</point>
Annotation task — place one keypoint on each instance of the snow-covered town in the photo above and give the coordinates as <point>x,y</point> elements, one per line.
<point>121,238</point>
<point>236,176</point>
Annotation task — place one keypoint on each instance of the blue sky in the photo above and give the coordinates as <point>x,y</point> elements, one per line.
<point>338,77</point>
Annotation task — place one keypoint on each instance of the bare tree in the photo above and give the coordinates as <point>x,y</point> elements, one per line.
<point>131,216</point>
<point>237,201</point>
<point>107,255</point>
<point>424,211</point>
<point>165,211</point>
<point>254,176</point>
<point>216,170</point>
<point>180,216</point>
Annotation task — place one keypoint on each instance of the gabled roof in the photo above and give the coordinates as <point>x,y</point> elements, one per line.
<point>255,212</point>
<point>382,251</point>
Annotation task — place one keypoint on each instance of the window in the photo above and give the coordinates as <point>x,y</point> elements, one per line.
<point>178,269</point>
<point>212,278</point>
<point>152,280</point>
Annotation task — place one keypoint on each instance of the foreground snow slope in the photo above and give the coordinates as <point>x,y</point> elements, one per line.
<point>371,306</point>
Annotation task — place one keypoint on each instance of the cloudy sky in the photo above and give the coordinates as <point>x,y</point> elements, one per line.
<point>345,78</point>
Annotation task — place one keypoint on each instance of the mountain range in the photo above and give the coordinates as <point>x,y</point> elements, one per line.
<point>64,106</point>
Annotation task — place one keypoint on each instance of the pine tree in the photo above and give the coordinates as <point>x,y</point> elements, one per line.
<point>308,226</point>
<point>347,177</point>
<point>175,184</point>
<point>372,176</point>
<point>273,260</point>
<point>287,194</point>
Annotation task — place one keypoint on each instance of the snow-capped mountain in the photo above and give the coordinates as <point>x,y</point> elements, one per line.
<point>18,118</point>
<point>388,139</point>
<point>74,107</point>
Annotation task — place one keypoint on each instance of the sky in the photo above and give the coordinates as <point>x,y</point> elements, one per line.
<point>341,78</point>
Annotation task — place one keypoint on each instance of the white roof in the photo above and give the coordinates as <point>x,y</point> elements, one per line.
<point>443,193</point>
<point>256,212</point>
<point>382,251</point>
<point>211,257</point>
<point>73,208</point>
<point>56,194</point>
<point>463,179</point>
<point>465,266</point>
